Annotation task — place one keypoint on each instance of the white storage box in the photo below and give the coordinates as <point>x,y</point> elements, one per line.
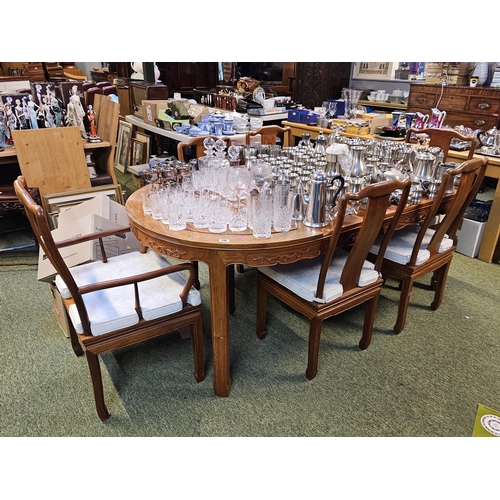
<point>470,237</point>
<point>97,214</point>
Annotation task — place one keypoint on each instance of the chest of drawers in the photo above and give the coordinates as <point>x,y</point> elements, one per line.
<point>473,107</point>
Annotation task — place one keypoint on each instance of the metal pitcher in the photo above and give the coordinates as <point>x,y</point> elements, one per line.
<point>316,198</point>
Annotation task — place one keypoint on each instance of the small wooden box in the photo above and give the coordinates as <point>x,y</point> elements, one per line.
<point>144,91</point>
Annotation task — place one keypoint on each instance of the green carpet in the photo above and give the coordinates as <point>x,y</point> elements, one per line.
<point>427,381</point>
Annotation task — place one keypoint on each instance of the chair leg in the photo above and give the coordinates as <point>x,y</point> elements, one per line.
<point>95,373</point>
<point>313,350</point>
<point>198,352</point>
<point>404,300</point>
<point>440,276</point>
<point>196,283</point>
<point>370,310</point>
<point>261,310</point>
<point>73,336</point>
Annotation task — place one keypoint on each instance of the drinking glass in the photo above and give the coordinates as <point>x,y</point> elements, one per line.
<point>238,181</point>
<point>218,214</point>
<point>146,201</point>
<point>282,206</point>
<point>177,208</point>
<point>262,214</point>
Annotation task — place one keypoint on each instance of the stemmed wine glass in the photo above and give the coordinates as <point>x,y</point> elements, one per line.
<point>238,181</point>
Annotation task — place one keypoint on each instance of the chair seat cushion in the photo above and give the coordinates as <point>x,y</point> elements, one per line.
<point>302,277</point>
<point>114,308</point>
<point>402,242</point>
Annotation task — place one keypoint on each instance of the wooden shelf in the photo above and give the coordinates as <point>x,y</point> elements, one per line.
<point>384,105</point>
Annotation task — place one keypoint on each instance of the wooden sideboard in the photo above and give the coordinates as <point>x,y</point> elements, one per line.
<point>473,107</point>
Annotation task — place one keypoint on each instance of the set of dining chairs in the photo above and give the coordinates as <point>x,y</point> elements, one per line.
<point>127,299</point>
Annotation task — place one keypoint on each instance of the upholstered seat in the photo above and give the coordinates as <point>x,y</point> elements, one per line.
<point>302,277</point>
<point>400,247</point>
<point>159,297</point>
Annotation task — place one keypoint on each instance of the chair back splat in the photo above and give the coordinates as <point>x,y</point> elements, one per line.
<point>121,300</point>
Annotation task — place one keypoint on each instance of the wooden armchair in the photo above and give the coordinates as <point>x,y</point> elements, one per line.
<point>120,301</point>
<point>416,251</point>
<point>340,279</point>
<point>269,133</point>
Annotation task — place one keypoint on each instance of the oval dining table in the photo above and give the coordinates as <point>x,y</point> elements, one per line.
<point>221,251</point>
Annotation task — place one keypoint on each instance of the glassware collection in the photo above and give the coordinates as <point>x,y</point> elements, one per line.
<point>265,188</point>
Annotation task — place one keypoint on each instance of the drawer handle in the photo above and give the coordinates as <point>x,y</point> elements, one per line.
<point>421,100</point>
<point>479,123</point>
<point>483,105</point>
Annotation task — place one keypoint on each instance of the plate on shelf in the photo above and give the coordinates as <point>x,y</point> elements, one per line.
<point>388,138</point>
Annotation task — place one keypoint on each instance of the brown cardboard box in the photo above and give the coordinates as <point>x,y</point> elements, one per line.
<point>150,110</point>
<point>59,309</point>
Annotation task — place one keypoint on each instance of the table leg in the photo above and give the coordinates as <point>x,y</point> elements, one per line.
<point>492,230</point>
<point>219,313</point>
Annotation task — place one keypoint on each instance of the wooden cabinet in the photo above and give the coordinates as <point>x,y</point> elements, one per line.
<point>473,107</point>
<point>183,77</point>
<point>316,82</point>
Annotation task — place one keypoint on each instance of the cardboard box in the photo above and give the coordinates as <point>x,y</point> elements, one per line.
<point>97,214</point>
<point>150,110</point>
<point>59,309</point>
<point>379,120</point>
<point>470,236</point>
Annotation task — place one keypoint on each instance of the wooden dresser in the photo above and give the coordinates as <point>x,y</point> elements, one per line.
<point>473,107</point>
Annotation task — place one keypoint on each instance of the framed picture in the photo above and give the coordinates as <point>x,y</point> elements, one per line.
<point>55,203</point>
<point>138,152</point>
<point>146,139</point>
<point>374,70</point>
<point>122,157</point>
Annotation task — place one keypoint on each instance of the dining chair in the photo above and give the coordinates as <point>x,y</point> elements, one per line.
<point>197,144</point>
<point>418,250</point>
<point>118,301</point>
<point>341,278</point>
<point>269,134</point>
<point>442,137</point>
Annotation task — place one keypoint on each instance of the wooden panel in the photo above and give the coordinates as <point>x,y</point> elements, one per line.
<point>318,81</point>
<point>52,159</point>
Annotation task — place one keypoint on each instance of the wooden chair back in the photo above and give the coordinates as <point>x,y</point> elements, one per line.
<point>269,133</point>
<point>471,174</point>
<point>197,144</point>
<point>52,159</point>
<point>226,102</point>
<point>374,217</point>
<point>441,137</point>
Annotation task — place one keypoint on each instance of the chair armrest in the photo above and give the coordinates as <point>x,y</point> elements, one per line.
<point>93,236</point>
<point>119,232</point>
<point>137,278</point>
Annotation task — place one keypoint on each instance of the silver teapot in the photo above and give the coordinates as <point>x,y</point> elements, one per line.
<point>487,139</point>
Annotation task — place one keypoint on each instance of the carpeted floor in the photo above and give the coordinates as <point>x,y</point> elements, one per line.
<point>427,381</point>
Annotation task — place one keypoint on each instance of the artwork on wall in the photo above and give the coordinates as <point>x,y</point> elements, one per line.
<point>374,70</point>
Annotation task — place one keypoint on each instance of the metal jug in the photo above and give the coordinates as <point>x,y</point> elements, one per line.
<point>425,165</point>
<point>316,198</point>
